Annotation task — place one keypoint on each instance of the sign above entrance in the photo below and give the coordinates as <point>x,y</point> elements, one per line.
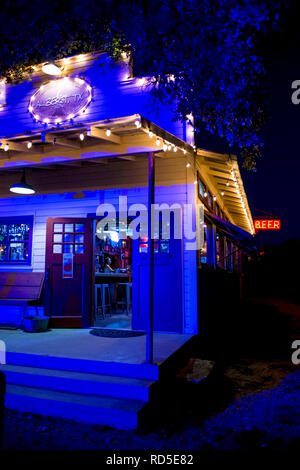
<point>267,224</point>
<point>60,100</point>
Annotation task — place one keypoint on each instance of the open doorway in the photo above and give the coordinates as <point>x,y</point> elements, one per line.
<point>112,279</point>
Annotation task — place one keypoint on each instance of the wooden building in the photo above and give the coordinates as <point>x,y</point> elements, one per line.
<point>82,139</point>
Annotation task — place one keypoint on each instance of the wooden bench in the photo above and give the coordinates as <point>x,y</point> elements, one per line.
<point>20,289</point>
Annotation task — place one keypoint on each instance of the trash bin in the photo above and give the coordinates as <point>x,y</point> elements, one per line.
<point>2,396</point>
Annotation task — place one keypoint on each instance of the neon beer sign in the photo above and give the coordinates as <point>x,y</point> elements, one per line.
<point>267,224</point>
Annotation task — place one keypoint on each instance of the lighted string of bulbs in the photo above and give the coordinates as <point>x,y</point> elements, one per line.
<point>242,200</point>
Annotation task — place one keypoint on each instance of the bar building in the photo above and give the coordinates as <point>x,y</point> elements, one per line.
<point>71,143</point>
<point>82,139</point>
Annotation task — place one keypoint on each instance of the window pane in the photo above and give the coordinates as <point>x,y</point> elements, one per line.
<point>57,249</point>
<point>69,227</point>
<point>68,238</point>
<point>79,249</point>
<point>57,238</point>
<point>68,248</point>
<point>3,251</point>
<point>79,227</point>
<point>79,238</point>
<point>18,252</point>
<point>3,232</point>
<point>164,246</point>
<point>58,228</point>
<point>18,232</point>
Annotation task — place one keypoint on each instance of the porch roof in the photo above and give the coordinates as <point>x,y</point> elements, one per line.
<point>121,138</point>
<point>223,171</point>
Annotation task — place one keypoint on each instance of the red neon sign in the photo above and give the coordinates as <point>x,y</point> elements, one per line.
<point>267,224</point>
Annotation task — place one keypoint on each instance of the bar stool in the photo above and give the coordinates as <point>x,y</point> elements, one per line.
<point>104,298</point>
<point>126,292</point>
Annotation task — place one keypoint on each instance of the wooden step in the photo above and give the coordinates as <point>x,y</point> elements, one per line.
<point>78,382</point>
<point>120,369</point>
<point>115,412</point>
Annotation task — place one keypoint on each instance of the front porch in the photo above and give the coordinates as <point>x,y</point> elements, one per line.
<point>76,375</point>
<point>80,344</point>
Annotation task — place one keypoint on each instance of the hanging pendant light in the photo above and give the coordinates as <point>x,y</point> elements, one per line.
<point>22,187</point>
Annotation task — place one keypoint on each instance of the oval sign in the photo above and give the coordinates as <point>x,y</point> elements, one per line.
<point>60,100</point>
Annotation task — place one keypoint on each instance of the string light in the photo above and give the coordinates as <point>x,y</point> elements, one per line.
<point>150,134</point>
<point>215,198</point>
<point>29,145</point>
<point>222,193</point>
<point>6,147</point>
<point>195,182</point>
<point>227,183</point>
<point>81,136</point>
<point>169,147</point>
<point>175,148</point>
<point>165,147</point>
<point>205,194</point>
<point>108,132</point>
<point>138,123</point>
<point>157,142</point>
<point>188,165</point>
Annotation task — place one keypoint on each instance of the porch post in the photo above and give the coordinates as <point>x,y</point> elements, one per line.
<point>151,186</point>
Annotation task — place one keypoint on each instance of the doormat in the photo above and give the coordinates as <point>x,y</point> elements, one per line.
<point>110,333</point>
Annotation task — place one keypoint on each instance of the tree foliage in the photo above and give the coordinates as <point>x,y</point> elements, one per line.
<point>204,56</point>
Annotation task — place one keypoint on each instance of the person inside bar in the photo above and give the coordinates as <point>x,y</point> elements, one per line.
<point>107,267</point>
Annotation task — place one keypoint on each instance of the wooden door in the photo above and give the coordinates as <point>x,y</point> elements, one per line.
<point>68,296</point>
<point>167,300</point>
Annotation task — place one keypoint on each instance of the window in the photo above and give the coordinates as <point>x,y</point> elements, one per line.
<point>202,188</point>
<point>16,240</point>
<point>209,199</point>
<point>68,238</point>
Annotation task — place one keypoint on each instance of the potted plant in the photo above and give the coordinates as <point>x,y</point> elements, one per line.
<point>35,324</point>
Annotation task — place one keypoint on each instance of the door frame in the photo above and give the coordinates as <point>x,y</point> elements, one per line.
<point>86,319</point>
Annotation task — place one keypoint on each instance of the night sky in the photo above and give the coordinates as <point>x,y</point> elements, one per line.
<point>274,186</point>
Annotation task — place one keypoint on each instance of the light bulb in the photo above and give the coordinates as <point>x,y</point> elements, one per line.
<point>165,147</point>
<point>222,193</point>
<point>205,194</point>
<point>188,165</point>
<point>157,142</point>
<point>175,149</point>
<point>29,145</point>
<point>108,132</point>
<point>6,147</point>
<point>81,137</point>
<point>215,198</point>
<point>195,182</point>
<point>150,134</point>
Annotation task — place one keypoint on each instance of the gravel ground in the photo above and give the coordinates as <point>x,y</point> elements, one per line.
<point>268,418</point>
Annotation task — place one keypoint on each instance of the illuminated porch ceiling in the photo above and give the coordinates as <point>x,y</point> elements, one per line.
<point>122,138</point>
<point>223,171</point>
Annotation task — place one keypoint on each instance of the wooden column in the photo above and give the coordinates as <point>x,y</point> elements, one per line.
<point>151,187</point>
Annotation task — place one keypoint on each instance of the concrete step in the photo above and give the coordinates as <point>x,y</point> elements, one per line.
<point>78,382</point>
<point>115,412</point>
<point>120,369</point>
